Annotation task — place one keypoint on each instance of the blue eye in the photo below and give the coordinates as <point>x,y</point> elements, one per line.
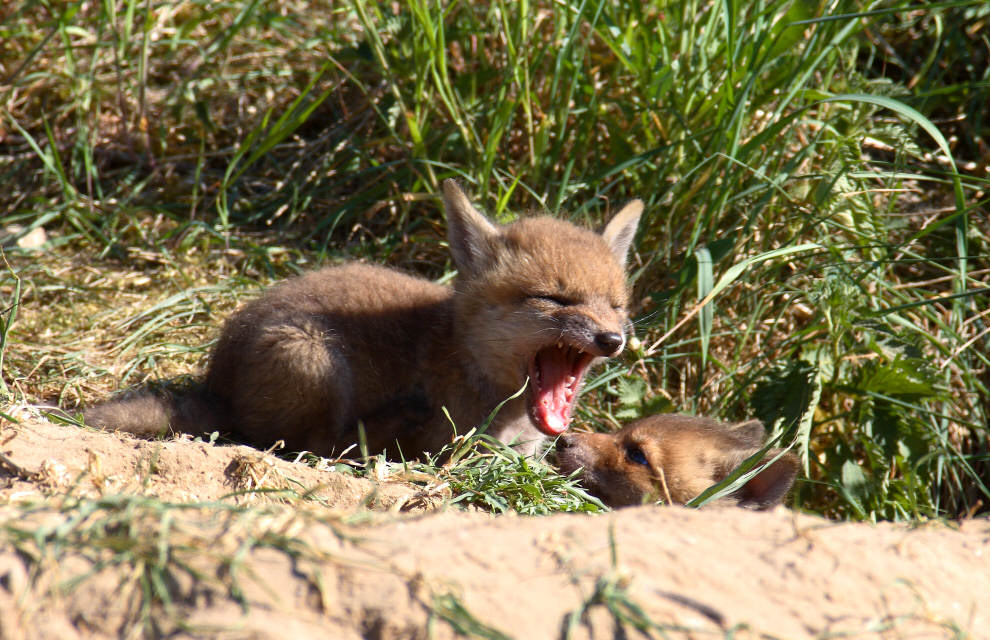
<point>636,455</point>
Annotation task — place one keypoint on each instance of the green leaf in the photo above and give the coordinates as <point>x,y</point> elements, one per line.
<point>706,315</point>
<point>903,376</point>
<point>855,485</point>
<point>631,394</point>
<point>782,396</point>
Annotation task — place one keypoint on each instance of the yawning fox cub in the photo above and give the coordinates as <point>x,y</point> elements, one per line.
<point>320,354</point>
<point>674,458</point>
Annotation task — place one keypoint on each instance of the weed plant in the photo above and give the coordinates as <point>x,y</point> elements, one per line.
<point>815,250</point>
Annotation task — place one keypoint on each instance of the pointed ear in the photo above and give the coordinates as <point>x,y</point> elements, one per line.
<point>469,233</point>
<point>621,229</point>
<point>750,432</point>
<point>768,488</point>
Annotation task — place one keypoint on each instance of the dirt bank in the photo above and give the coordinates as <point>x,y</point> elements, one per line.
<point>105,536</point>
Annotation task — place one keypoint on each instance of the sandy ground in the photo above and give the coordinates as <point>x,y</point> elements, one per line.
<point>384,559</point>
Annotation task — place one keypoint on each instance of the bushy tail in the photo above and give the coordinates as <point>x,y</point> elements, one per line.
<point>152,412</point>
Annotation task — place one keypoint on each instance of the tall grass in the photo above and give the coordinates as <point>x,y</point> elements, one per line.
<point>752,130</point>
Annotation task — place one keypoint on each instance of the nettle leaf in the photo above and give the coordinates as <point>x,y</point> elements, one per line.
<point>899,433</point>
<point>784,393</point>
<point>636,401</point>
<point>786,400</point>
<point>895,345</point>
<point>631,393</point>
<point>899,377</point>
<point>628,413</point>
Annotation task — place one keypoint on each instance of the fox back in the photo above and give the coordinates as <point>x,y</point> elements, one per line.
<point>320,358</point>
<point>674,458</point>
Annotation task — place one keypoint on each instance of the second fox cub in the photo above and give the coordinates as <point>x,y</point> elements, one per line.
<point>674,458</point>
<point>318,355</point>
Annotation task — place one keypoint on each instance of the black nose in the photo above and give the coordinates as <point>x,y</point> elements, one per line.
<point>608,341</point>
<point>563,442</point>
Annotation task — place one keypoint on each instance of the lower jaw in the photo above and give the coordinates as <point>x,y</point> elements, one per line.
<point>545,429</point>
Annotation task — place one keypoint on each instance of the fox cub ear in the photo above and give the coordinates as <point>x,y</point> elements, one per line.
<point>769,487</point>
<point>620,230</point>
<point>750,432</point>
<point>469,233</point>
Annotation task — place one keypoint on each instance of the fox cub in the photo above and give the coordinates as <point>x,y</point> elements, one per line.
<point>323,354</point>
<point>674,458</point>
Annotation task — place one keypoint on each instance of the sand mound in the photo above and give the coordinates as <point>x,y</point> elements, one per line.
<point>106,536</point>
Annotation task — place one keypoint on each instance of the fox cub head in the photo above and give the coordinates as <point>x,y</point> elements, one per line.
<point>674,458</point>
<point>539,298</point>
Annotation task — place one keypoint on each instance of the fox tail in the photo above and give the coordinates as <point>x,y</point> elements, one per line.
<point>155,411</point>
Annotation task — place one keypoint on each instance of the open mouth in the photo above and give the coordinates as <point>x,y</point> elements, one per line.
<point>555,374</point>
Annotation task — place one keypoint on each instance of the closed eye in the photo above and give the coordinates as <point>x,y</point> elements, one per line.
<point>635,455</point>
<point>560,301</point>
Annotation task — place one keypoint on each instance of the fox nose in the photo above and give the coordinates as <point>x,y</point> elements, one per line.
<point>609,342</point>
<point>564,442</point>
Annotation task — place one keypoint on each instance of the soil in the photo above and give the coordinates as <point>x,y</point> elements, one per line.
<point>106,536</point>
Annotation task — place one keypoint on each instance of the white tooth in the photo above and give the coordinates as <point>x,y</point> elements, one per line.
<point>569,380</point>
<point>580,351</point>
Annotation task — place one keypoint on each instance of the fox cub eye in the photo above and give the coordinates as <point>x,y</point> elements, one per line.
<point>557,300</point>
<point>636,455</point>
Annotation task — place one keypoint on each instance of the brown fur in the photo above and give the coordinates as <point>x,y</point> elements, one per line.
<point>318,355</point>
<point>673,458</point>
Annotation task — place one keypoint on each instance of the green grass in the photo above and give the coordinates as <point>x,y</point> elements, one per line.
<point>486,473</point>
<point>477,470</point>
<point>166,147</point>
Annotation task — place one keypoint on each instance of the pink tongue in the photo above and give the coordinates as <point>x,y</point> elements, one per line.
<point>553,406</point>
